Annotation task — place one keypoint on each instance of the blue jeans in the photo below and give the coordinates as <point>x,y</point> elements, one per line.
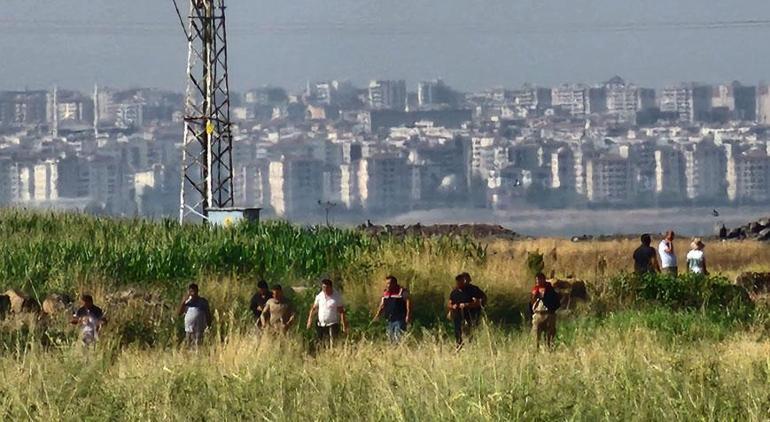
<point>395,330</point>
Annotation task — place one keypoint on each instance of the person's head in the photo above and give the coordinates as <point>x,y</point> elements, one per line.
<point>391,283</point>
<point>262,287</point>
<point>277,291</point>
<point>192,290</point>
<point>670,235</point>
<point>540,279</point>
<point>646,239</point>
<point>327,286</point>
<point>467,277</point>
<point>697,244</point>
<point>87,300</point>
<point>460,280</point>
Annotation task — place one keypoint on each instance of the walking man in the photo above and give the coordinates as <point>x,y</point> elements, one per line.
<point>90,318</point>
<point>278,313</point>
<point>396,306</point>
<point>197,315</point>
<point>645,257</point>
<point>259,300</point>
<point>667,254</point>
<point>331,314</point>
<point>465,304</point>
<point>544,301</point>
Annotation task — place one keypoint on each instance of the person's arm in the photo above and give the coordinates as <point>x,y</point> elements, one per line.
<point>451,306</point>
<point>291,318</point>
<point>183,305</point>
<point>409,309</point>
<point>343,318</point>
<point>254,305</point>
<point>75,319</point>
<point>379,309</point>
<point>209,318</point>
<point>262,321</point>
<point>655,263</point>
<point>482,298</point>
<point>310,315</point>
<point>669,247</point>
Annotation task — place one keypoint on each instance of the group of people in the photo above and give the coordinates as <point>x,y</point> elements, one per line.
<point>275,314</point>
<point>648,260</point>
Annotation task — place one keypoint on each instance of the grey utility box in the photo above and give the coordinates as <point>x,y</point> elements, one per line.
<point>228,217</point>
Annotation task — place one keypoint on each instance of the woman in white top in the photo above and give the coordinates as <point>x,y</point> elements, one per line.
<point>696,259</point>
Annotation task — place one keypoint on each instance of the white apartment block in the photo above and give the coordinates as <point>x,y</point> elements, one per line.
<point>669,172</point>
<point>384,183</point>
<point>45,181</point>
<point>705,169</point>
<point>751,178</point>
<point>384,94</point>
<point>574,98</point>
<point>562,169</point>
<point>295,186</point>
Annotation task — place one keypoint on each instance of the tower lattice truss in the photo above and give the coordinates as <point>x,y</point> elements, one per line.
<point>207,164</point>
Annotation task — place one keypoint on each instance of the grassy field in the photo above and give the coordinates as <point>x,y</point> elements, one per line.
<point>640,349</point>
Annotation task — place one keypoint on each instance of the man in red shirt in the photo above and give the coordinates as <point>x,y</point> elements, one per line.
<point>544,302</point>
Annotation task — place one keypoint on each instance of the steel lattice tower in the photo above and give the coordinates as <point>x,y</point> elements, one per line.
<point>207,164</point>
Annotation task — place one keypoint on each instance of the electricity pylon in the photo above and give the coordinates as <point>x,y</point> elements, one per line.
<point>207,164</point>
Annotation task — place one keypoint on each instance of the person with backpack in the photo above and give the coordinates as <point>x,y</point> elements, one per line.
<point>544,302</point>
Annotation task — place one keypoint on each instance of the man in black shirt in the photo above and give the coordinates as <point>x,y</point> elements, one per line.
<point>465,304</point>
<point>259,300</point>
<point>645,257</point>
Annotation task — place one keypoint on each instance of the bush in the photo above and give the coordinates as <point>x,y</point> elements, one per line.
<point>689,291</point>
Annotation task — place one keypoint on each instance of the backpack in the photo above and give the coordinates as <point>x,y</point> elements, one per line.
<point>551,299</point>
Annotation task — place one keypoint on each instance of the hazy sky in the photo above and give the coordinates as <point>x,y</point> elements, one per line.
<point>470,43</point>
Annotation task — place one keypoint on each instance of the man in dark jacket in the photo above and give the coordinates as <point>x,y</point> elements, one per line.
<point>396,306</point>
<point>466,302</point>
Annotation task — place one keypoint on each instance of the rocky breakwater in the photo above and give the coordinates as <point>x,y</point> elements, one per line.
<point>757,230</point>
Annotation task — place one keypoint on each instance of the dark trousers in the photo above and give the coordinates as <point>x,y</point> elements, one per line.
<point>464,322</point>
<point>328,335</point>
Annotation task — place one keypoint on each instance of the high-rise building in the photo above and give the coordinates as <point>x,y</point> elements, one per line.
<point>669,173</point>
<point>705,170</point>
<point>295,186</point>
<point>608,179</point>
<point>435,93</point>
<point>690,102</point>
<point>389,95</point>
<point>745,98</point>
<point>384,183</point>
<point>625,99</point>
<point>573,98</point>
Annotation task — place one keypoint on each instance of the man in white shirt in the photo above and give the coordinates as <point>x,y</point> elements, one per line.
<point>331,313</point>
<point>667,255</point>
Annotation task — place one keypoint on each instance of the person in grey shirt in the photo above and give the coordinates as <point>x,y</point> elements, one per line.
<point>197,315</point>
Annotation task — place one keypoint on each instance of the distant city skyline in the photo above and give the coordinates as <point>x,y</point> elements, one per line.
<point>471,45</point>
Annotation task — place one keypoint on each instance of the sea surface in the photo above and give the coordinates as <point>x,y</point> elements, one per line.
<point>693,221</point>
